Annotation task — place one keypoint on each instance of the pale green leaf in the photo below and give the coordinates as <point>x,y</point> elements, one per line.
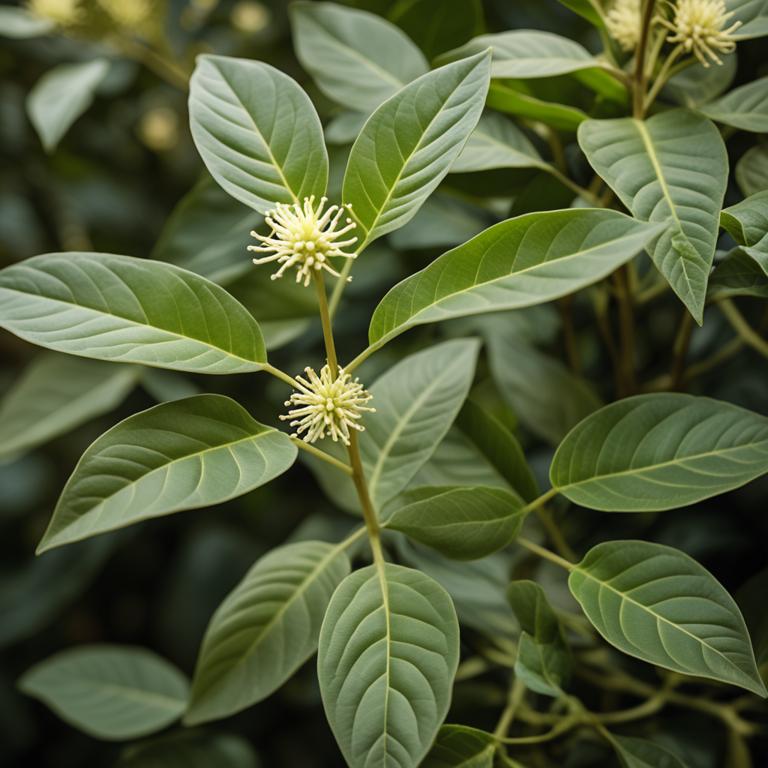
<point>513,100</point>
<point>497,142</point>
<point>191,749</point>
<point>356,58</point>
<point>19,23</point>
<point>343,128</point>
<point>546,396</point>
<point>464,523</point>
<point>640,753</point>
<point>745,107</point>
<point>588,9</point>
<point>658,604</point>
<point>257,132</point>
<point>752,170</point>
<point>753,14</point>
<point>696,84</point>
<point>122,309</point>
<point>389,648</point>
<point>660,451</point>
<point>671,169</point>
<point>458,746</point>
<point>517,263</point>
<point>61,95</point>
<point>57,393</point>
<point>265,629</point>
<point>410,142</point>
<point>109,692</point>
<point>184,454</point>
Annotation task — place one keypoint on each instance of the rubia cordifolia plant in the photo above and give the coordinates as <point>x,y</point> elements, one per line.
<point>386,634</point>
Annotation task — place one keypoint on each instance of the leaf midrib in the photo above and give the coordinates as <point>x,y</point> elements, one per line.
<point>135,694</point>
<point>131,321</point>
<point>162,468</point>
<point>663,464</point>
<point>518,273</point>
<point>624,596</point>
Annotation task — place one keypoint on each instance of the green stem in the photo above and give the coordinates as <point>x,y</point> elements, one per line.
<point>278,374</point>
<point>558,729</point>
<point>364,355</point>
<point>680,349</point>
<point>516,694</point>
<point>369,513</point>
<point>546,554</point>
<point>325,319</point>
<point>638,101</point>
<point>540,501</point>
<point>662,78</point>
<point>341,284</point>
<point>743,328</point>
<point>299,443</point>
<point>555,534</point>
<point>583,192</point>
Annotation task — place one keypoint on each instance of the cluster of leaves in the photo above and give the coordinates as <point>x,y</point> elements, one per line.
<point>487,151</point>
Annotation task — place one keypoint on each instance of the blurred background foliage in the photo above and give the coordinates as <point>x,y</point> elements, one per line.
<point>125,178</point>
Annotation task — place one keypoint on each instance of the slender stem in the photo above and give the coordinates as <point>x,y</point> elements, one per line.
<point>555,534</point>
<point>540,501</point>
<point>649,707</point>
<point>516,694</point>
<point>665,73</point>
<point>743,328</point>
<point>369,513</point>
<point>558,729</point>
<point>164,69</point>
<point>638,102</point>
<point>278,374</point>
<point>364,355</point>
<point>726,351</point>
<point>589,196</point>
<point>680,349</point>
<point>325,319</point>
<point>353,537</point>
<point>627,331</point>
<point>545,553</point>
<point>299,443</point>
<point>341,284</point>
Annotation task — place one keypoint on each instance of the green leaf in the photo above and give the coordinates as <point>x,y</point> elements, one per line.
<point>19,23</point>
<point>513,100</point>
<point>389,648</point>
<point>696,84</point>
<point>738,274</point>
<point>543,661</point>
<point>458,746</point>
<point>753,14</point>
<point>464,523</point>
<point>123,309</point>
<point>61,95</point>
<point>547,398</point>
<point>640,753</point>
<point>207,233</point>
<point>257,132</point>
<point>500,447</point>
<point>356,58</point>
<point>416,402</point>
<point>658,604</point>
<point>497,142</point>
<point>747,223</point>
<point>752,170</point>
<point>191,749</point>
<point>671,168</point>
<point>180,455</point>
<point>516,263</point>
<point>265,629</point>
<point>109,692</point>
<point>660,451</point>
<point>745,107</point>
<point>57,393</point>
<point>343,128</point>
<point>410,142</point>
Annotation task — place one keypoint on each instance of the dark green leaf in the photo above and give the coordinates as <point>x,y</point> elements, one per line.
<point>458,746</point>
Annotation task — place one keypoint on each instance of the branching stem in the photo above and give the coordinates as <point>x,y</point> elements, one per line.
<point>299,443</point>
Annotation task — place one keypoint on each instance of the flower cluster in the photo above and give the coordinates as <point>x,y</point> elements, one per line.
<point>62,12</point>
<point>700,27</point>
<point>623,23</point>
<point>324,404</point>
<point>305,237</point>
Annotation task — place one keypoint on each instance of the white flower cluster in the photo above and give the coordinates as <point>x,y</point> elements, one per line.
<point>305,237</point>
<point>700,26</point>
<point>324,404</point>
<point>623,23</point>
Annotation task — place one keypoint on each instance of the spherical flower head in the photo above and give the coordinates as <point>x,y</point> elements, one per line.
<point>62,12</point>
<point>623,22</point>
<point>700,27</point>
<point>306,237</point>
<point>327,405</point>
<point>127,13</point>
